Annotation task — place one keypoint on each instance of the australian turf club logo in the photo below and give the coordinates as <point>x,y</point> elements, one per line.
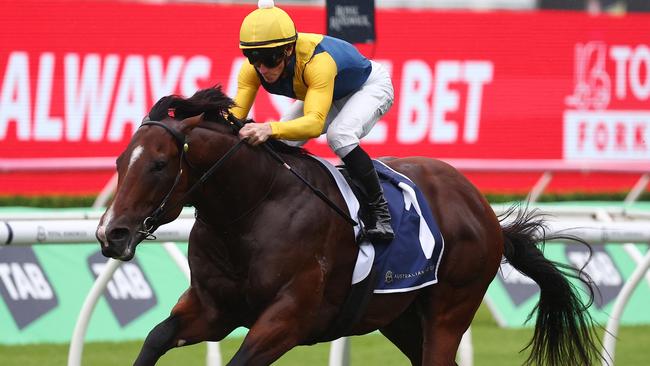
<point>388,278</point>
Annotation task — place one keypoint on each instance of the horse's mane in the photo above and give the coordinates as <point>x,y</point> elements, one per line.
<point>214,104</point>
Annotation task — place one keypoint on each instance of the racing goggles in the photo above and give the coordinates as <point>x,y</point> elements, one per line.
<point>269,57</point>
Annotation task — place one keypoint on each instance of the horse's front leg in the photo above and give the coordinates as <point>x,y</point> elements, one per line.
<point>282,325</point>
<point>190,322</point>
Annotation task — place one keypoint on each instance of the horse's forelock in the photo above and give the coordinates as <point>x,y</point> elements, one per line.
<point>211,101</point>
<point>160,110</point>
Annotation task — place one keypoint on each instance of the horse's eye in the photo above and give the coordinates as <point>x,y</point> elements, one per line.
<point>158,165</point>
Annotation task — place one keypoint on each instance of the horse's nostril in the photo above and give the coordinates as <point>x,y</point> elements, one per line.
<point>118,234</point>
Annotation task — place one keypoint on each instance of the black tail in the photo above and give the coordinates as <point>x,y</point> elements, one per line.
<point>564,330</point>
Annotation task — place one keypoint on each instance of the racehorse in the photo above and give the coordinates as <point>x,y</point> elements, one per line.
<point>266,253</point>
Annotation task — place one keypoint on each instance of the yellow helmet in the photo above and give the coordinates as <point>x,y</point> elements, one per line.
<point>266,27</point>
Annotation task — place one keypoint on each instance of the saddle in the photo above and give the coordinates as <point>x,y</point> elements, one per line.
<point>408,263</point>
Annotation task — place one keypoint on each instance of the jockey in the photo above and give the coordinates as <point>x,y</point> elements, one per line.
<point>339,92</point>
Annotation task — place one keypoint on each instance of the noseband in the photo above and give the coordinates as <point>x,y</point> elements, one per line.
<point>151,222</point>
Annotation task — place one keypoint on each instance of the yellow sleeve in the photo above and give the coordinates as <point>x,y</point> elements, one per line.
<point>319,78</point>
<point>247,85</point>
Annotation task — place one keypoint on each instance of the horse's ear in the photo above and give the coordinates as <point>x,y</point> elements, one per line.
<point>189,123</point>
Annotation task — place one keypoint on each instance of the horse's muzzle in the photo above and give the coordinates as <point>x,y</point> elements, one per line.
<point>119,244</point>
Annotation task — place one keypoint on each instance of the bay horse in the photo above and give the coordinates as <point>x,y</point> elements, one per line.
<point>267,254</point>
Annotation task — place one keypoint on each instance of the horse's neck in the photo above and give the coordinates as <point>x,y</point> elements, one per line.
<point>238,185</point>
<point>251,202</point>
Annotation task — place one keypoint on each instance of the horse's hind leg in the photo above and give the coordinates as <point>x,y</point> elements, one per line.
<point>447,312</point>
<point>187,324</point>
<point>405,332</point>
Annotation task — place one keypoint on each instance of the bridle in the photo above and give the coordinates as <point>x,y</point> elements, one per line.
<point>151,222</point>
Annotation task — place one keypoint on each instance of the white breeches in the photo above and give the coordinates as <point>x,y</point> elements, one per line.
<point>352,117</point>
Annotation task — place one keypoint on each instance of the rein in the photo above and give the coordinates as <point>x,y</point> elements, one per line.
<point>235,122</point>
<point>150,223</point>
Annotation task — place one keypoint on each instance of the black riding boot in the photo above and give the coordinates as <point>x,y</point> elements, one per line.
<point>377,220</point>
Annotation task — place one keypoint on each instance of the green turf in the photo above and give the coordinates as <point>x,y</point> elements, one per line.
<point>492,346</point>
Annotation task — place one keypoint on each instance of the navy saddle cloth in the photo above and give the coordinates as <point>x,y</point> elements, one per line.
<point>412,259</point>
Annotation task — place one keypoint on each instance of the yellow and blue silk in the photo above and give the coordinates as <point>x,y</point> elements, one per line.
<point>322,69</point>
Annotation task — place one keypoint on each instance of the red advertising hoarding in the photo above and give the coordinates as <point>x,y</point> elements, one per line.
<point>76,78</point>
